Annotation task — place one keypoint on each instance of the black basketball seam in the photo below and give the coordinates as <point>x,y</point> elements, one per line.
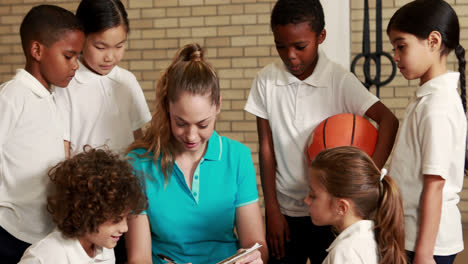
<point>354,127</point>
<point>324,142</point>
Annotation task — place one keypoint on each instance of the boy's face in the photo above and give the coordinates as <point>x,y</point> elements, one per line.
<point>297,45</point>
<point>59,61</point>
<point>104,50</point>
<point>108,234</point>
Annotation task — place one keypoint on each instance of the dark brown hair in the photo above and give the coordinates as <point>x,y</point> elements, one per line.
<point>91,188</point>
<point>47,24</point>
<point>348,172</point>
<point>421,17</point>
<point>188,72</point>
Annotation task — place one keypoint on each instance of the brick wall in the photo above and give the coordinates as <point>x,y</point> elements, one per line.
<point>238,40</point>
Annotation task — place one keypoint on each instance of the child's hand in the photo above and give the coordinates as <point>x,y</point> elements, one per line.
<point>252,258</point>
<point>277,234</point>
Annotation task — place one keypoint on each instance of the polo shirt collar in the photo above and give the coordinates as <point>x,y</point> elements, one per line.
<point>361,226</point>
<point>215,148</point>
<point>83,74</point>
<point>439,83</point>
<point>77,253</point>
<point>34,84</point>
<point>319,77</point>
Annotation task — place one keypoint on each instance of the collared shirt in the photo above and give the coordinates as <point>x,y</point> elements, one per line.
<point>294,108</point>
<point>355,245</point>
<point>196,225</point>
<point>56,249</point>
<point>102,109</point>
<point>31,142</point>
<point>431,141</point>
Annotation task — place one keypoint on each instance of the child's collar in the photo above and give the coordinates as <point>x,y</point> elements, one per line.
<point>441,82</point>
<point>319,78</point>
<point>83,74</point>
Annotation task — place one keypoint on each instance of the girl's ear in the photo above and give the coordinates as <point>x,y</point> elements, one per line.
<point>435,41</point>
<point>343,206</point>
<point>36,50</point>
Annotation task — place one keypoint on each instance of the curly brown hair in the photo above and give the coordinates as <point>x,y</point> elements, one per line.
<point>91,188</point>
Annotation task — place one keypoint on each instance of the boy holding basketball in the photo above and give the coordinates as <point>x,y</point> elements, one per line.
<point>290,98</point>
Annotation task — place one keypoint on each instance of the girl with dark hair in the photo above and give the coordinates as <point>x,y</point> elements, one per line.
<point>103,104</point>
<point>361,203</point>
<point>429,157</point>
<point>200,185</point>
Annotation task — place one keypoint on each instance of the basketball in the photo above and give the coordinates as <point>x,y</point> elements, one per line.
<point>343,130</point>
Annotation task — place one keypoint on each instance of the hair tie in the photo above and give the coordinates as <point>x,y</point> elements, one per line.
<point>383,172</point>
<point>196,56</point>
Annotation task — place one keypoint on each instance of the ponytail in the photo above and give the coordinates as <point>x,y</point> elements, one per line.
<point>157,138</point>
<point>460,53</point>
<point>389,224</point>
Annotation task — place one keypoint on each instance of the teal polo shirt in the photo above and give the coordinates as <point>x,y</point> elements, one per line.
<point>197,225</point>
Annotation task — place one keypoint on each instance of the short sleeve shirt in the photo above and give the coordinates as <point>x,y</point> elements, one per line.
<point>31,142</point>
<point>431,141</point>
<point>355,245</point>
<point>102,109</point>
<point>293,109</point>
<point>196,225</point>
<point>56,249</point>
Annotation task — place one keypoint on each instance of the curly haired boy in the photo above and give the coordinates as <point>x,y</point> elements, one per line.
<point>95,192</point>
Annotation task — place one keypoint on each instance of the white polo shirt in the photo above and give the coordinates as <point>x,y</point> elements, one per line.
<point>56,249</point>
<point>31,141</point>
<point>356,245</point>
<point>294,108</point>
<point>432,140</point>
<point>102,110</point>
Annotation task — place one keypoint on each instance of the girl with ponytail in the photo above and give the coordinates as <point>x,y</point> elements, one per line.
<point>200,185</point>
<point>362,204</point>
<point>429,156</point>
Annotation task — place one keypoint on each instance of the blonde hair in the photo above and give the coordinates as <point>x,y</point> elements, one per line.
<point>348,172</point>
<point>188,72</point>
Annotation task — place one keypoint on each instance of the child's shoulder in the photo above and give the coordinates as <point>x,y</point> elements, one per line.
<point>54,242</point>
<point>17,85</point>
<point>21,87</point>
<point>122,75</point>
<point>272,70</point>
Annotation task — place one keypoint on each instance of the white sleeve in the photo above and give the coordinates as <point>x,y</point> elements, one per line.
<point>356,98</point>
<point>8,119</point>
<point>139,112</point>
<point>437,139</point>
<point>256,102</point>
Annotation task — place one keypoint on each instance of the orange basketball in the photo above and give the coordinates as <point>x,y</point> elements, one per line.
<point>343,130</point>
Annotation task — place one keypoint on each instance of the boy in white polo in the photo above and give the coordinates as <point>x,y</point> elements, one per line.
<point>95,193</point>
<point>31,131</point>
<point>290,98</point>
